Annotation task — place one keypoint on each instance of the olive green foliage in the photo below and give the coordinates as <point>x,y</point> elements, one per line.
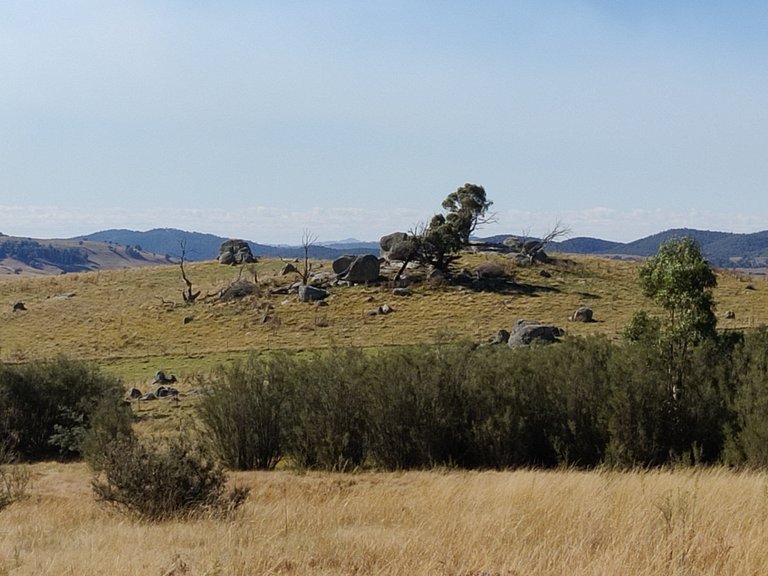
<point>583,403</point>
<point>46,407</point>
<point>748,441</point>
<point>243,413</point>
<point>680,280</point>
<point>446,234</point>
<point>164,479</point>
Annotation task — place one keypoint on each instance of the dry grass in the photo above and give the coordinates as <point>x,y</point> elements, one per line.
<point>445,523</point>
<point>123,318</point>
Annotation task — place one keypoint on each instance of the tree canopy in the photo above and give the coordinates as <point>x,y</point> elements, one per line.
<point>680,280</point>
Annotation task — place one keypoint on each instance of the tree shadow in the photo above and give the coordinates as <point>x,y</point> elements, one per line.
<point>503,285</point>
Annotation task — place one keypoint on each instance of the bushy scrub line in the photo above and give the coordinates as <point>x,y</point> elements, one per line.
<point>586,402</point>
<point>69,409</point>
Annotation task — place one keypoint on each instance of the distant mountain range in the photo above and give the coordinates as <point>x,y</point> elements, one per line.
<point>200,246</point>
<point>127,248</point>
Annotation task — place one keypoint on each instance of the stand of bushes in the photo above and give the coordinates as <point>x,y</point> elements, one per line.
<point>69,409</point>
<point>583,403</point>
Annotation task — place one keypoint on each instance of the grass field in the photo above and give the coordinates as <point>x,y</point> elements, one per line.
<point>438,522</point>
<point>686,521</point>
<point>133,321</point>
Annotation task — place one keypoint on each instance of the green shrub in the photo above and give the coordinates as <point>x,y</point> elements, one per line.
<point>328,410</point>
<point>244,412</point>
<point>46,407</point>
<point>748,440</point>
<point>169,479</point>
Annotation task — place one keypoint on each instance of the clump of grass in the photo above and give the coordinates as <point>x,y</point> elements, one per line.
<point>14,478</point>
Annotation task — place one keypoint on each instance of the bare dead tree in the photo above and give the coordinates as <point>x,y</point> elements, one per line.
<point>307,241</point>
<point>533,249</point>
<point>188,295</point>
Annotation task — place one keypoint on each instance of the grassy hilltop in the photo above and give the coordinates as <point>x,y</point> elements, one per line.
<point>135,318</point>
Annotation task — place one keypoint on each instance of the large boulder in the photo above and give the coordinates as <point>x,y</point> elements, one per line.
<point>342,264</point>
<point>527,332</point>
<point>233,252</point>
<point>365,268</point>
<point>397,246</point>
<point>387,242</point>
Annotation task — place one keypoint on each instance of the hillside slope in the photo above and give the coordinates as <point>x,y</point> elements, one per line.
<point>24,256</point>
<point>136,315</point>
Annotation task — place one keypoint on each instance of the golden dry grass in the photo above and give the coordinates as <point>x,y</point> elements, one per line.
<point>123,318</point>
<point>691,522</point>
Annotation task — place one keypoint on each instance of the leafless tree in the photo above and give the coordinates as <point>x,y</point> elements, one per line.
<point>188,295</point>
<point>533,248</point>
<point>307,241</point>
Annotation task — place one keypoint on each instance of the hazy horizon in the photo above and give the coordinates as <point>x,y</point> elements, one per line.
<point>262,119</point>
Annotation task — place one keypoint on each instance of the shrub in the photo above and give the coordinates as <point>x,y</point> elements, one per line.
<point>748,443</point>
<point>173,478</point>
<point>46,407</point>
<point>327,414</point>
<point>243,413</point>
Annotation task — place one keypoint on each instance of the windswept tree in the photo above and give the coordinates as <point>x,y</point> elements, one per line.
<point>467,209</point>
<point>446,234</point>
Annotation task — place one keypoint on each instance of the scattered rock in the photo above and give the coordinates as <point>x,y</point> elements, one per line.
<point>401,292</point>
<point>526,332</point>
<point>545,274</point>
<point>187,319</point>
<point>18,306</point>
<point>161,378</point>
<point>148,397</point>
<point>133,393</point>
<point>165,391</point>
<point>382,310</point>
<point>583,314</point>
<point>490,270</point>
<point>730,315</point>
<point>238,289</point>
<point>289,269</point>
<point>311,293</point>
<point>501,337</point>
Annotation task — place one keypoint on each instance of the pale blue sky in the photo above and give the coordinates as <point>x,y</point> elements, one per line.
<point>354,119</point>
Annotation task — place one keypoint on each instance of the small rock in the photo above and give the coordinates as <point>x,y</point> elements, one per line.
<point>311,293</point>
<point>19,306</point>
<point>583,314</point>
<point>401,292</point>
<point>187,319</point>
<point>730,315</point>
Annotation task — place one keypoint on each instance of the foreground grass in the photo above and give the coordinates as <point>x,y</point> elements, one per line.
<point>446,523</point>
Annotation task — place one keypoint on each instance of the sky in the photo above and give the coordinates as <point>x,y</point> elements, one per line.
<point>262,120</point>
